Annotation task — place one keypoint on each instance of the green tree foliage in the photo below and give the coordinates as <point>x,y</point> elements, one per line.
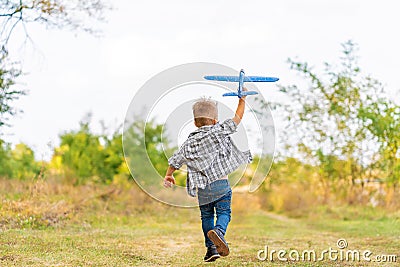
<point>23,162</point>
<point>18,163</point>
<point>144,143</point>
<point>382,119</point>
<point>84,156</point>
<point>324,116</point>
<point>342,122</point>
<point>5,168</point>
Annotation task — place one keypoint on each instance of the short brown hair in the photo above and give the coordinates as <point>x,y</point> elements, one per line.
<point>205,111</point>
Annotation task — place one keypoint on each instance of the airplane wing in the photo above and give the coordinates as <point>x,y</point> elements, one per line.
<point>222,78</point>
<point>230,94</point>
<point>260,79</point>
<point>249,93</point>
<point>236,78</point>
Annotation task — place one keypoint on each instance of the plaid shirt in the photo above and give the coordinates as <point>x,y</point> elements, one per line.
<point>209,154</point>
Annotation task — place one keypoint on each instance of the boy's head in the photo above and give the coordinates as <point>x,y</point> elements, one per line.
<point>205,112</point>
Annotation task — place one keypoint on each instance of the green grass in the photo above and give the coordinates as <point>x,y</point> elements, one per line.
<point>169,236</point>
<point>46,223</point>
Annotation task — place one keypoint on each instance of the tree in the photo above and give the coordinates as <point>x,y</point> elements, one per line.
<point>85,156</point>
<point>60,14</point>
<point>324,117</point>
<point>18,163</point>
<point>8,94</point>
<point>382,119</point>
<point>144,150</point>
<point>23,162</point>
<point>5,168</point>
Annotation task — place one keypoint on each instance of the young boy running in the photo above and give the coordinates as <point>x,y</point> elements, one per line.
<point>210,155</point>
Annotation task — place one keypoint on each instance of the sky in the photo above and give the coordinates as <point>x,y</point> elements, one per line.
<point>68,74</point>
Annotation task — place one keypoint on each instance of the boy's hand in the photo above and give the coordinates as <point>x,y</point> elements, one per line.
<point>168,181</point>
<point>244,89</point>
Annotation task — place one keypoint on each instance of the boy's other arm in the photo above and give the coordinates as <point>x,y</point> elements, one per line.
<point>169,178</point>
<point>240,110</point>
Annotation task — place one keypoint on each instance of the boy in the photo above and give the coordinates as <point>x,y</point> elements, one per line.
<point>210,155</point>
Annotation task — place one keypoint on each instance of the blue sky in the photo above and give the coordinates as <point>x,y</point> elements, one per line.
<point>70,74</point>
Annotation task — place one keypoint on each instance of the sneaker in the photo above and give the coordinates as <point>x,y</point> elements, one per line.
<point>218,239</point>
<point>211,254</point>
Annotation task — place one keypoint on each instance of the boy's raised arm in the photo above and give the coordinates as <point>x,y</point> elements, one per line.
<point>240,110</point>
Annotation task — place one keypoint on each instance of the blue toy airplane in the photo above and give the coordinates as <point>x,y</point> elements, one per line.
<point>241,79</point>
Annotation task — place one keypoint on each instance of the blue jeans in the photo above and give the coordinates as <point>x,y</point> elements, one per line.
<point>215,199</point>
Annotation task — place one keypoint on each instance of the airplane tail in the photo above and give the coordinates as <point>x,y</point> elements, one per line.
<point>243,93</point>
<point>249,93</point>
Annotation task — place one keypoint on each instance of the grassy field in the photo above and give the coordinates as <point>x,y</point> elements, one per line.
<point>51,225</point>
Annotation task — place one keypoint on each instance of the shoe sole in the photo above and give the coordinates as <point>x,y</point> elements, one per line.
<point>222,248</point>
<point>212,258</point>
